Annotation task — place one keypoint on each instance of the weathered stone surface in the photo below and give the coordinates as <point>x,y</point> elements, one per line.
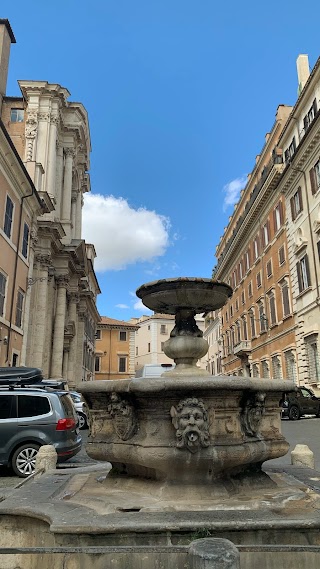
<point>302,455</point>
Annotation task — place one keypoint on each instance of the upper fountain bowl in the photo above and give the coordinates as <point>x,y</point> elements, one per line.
<point>167,296</point>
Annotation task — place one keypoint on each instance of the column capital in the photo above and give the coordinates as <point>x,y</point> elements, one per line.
<point>54,119</point>
<point>43,116</point>
<point>62,280</point>
<point>69,152</point>
<point>74,196</point>
<point>43,260</point>
<point>74,297</point>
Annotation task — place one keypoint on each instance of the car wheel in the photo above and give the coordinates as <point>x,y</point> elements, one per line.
<point>24,460</point>
<point>82,421</point>
<point>294,413</point>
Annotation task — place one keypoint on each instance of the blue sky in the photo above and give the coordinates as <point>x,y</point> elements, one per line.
<point>180,95</point>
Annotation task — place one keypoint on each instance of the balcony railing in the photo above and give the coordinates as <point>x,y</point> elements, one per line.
<point>242,348</point>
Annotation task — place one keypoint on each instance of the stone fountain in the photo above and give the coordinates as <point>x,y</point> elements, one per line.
<point>180,457</point>
<point>186,427</point>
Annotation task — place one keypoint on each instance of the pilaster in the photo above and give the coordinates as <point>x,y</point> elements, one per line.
<point>59,324</point>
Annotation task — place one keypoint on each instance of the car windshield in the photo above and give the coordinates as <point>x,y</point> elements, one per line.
<point>76,397</point>
<point>67,405</point>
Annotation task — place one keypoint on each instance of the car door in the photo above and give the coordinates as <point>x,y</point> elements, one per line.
<point>309,404</point>
<point>8,424</point>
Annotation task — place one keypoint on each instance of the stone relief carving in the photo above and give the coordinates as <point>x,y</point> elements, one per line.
<point>43,260</point>
<point>190,419</point>
<point>62,280</point>
<point>70,152</point>
<point>30,134</point>
<point>43,116</point>
<point>252,411</point>
<point>125,421</point>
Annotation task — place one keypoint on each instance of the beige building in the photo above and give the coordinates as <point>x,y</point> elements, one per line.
<point>52,137</point>
<point>153,331</point>
<point>212,333</point>
<point>300,185</point>
<point>115,340</point>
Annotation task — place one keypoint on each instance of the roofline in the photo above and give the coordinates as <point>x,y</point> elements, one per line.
<point>21,164</point>
<point>5,22</point>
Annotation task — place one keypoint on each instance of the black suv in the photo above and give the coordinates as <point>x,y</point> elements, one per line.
<point>300,402</point>
<point>31,417</point>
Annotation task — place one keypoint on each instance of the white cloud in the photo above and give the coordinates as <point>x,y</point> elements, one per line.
<point>121,234</point>
<point>141,307</point>
<point>122,306</point>
<point>232,191</point>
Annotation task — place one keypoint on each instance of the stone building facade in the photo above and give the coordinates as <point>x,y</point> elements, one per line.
<point>52,137</point>
<point>212,333</point>
<point>115,343</point>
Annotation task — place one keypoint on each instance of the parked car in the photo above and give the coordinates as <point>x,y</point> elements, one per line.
<point>300,402</point>
<point>153,370</point>
<point>81,409</point>
<point>31,417</point>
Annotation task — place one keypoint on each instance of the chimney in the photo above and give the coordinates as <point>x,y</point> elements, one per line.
<point>6,39</point>
<point>303,71</point>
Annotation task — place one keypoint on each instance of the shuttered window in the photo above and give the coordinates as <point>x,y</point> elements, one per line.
<point>303,273</point>
<point>296,203</point>
<point>3,282</point>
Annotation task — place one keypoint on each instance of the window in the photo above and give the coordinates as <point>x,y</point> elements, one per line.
<point>259,279</point>
<point>303,274</point>
<point>234,279</point>
<point>30,406</point>
<point>149,347</point>
<point>3,282</point>
<point>265,369</point>
<point>247,260</point>
<point>276,367</point>
<point>15,359</point>
<point>277,217</point>
<point>237,305</point>
<point>123,336</point>
<point>255,370</point>
<point>272,308</point>
<point>308,118</point>
<point>250,289</point>
<point>149,327</point>
<point>238,332</point>
<point>244,328</point>
<point>7,406</point>
<point>161,347</point>
<point>97,363</point>
<point>269,269</point>
<point>98,334</point>
<point>313,358</point>
<point>256,248</point>
<point>290,150</point>
<point>16,115</point>
<point>315,177</point>
<point>25,240</point>
<point>243,300</point>
<point>163,329</point>
<point>291,365</point>
<point>19,308</point>
<point>296,203</point>
<point>262,318</point>
<point>122,364</point>
<point>240,271</point>
<point>8,217</point>
<point>282,255</point>
<point>252,323</point>
<point>231,311</point>
<point>137,351</point>
<point>284,286</point>
<point>265,234</point>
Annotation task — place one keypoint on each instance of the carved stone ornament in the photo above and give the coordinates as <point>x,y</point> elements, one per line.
<point>252,411</point>
<point>125,421</point>
<point>43,116</point>
<point>190,419</point>
<point>43,260</point>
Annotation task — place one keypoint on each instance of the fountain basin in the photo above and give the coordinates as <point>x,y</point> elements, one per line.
<point>193,431</point>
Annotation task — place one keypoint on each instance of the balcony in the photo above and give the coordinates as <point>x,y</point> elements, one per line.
<point>243,348</point>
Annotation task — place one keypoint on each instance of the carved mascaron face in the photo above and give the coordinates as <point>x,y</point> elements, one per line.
<point>190,419</point>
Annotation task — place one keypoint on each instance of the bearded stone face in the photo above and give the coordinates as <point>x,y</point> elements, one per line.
<point>191,422</point>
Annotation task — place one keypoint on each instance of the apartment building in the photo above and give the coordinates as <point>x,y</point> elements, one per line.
<point>115,345</point>
<point>212,333</point>
<point>51,136</point>
<point>154,330</point>
<point>258,326</point>
<point>300,185</point>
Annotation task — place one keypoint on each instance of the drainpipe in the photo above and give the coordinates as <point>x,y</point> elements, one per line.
<point>310,229</point>
<point>15,273</point>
